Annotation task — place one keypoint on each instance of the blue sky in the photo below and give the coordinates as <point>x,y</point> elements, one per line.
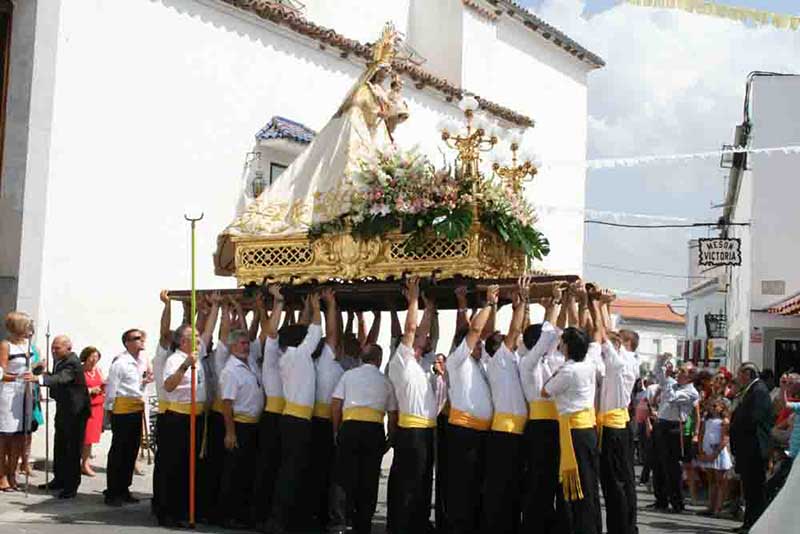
<point>781,6</point>
<point>674,83</point>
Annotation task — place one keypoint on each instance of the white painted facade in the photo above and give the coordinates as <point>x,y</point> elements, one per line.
<point>705,295</point>
<point>655,338</point>
<point>767,199</point>
<point>141,108</point>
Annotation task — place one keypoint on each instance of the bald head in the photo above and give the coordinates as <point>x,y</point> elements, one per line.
<point>62,346</point>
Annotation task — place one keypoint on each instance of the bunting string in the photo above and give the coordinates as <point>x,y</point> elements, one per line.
<point>757,17</point>
<point>610,163</point>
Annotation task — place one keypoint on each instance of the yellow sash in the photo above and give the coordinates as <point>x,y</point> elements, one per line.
<point>459,418</point>
<point>363,413</point>
<point>509,422</point>
<point>542,409</point>
<point>408,420</point>
<point>217,405</point>
<point>163,405</point>
<point>322,410</point>
<point>275,405</point>
<point>245,418</point>
<point>568,469</point>
<point>185,408</point>
<point>617,418</point>
<point>127,405</point>
<point>298,410</point>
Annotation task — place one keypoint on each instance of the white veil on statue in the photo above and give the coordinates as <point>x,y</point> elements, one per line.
<point>316,187</point>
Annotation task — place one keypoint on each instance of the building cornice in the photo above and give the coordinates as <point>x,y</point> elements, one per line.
<point>548,32</point>
<point>327,38</point>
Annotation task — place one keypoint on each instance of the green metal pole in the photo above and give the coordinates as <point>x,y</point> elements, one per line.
<point>193,410</point>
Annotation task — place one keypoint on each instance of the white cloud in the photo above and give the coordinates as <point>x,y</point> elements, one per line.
<point>674,83</point>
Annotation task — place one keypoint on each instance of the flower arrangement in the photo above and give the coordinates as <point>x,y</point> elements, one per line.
<point>401,190</point>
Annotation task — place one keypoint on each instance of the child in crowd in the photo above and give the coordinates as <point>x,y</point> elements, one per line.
<point>714,457</point>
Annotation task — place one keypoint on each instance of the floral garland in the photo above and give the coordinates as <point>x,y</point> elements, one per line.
<point>401,190</point>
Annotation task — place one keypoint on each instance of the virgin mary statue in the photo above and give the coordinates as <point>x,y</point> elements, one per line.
<point>317,186</point>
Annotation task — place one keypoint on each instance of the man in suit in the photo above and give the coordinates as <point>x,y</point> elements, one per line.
<point>749,433</point>
<point>68,387</point>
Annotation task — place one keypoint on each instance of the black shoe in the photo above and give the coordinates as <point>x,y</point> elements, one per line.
<point>657,507</point>
<point>116,502</point>
<point>235,524</point>
<point>677,509</point>
<point>129,499</point>
<point>52,485</point>
<point>64,494</point>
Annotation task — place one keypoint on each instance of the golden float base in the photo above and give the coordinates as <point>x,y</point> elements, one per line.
<point>297,259</point>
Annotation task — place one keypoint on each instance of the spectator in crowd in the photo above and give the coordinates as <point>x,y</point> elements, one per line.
<point>791,396</point>
<point>68,388</point>
<point>750,426</point>
<point>13,362</point>
<point>94,425</point>
<point>691,438</point>
<point>714,458</point>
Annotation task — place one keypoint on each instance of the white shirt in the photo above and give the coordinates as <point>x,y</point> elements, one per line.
<point>594,354</point>
<point>125,378</point>
<point>413,386</point>
<point>469,387</point>
<point>270,369</point>
<point>297,369</point>
<point>349,362</point>
<point>239,383</point>
<point>183,391</point>
<point>621,372</point>
<point>365,387</point>
<point>221,353</point>
<point>159,360</point>
<point>677,401</point>
<point>536,366</point>
<point>573,386</point>
<point>328,373</point>
<point>503,371</point>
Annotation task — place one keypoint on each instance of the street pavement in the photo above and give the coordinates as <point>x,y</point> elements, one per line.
<point>41,513</point>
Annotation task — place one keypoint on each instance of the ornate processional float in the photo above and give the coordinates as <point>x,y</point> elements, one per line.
<point>355,208</point>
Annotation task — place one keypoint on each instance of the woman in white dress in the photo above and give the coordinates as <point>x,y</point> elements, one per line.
<point>13,362</point>
<point>714,457</point>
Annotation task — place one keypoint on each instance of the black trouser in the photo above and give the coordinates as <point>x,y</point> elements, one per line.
<point>441,510</point>
<point>126,438</point>
<point>269,461</point>
<point>648,452</point>
<point>502,482</point>
<point>753,471</point>
<point>322,456</point>
<point>776,482</point>
<point>238,475</point>
<point>213,462</point>
<point>412,470</point>
<point>67,446</point>
<point>289,503</point>
<point>583,516</point>
<point>465,478</point>
<point>667,465</point>
<point>543,457</point>
<point>157,461</point>
<point>173,484</point>
<point>359,451</point>
<point>617,480</point>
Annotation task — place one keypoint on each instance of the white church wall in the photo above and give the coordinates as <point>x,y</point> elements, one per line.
<point>357,19</point>
<point>146,123</point>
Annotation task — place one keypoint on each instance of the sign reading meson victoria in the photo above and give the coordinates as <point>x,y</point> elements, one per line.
<point>719,251</point>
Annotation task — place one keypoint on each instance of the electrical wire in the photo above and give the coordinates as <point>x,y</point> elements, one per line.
<point>634,271</point>
<point>689,225</point>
